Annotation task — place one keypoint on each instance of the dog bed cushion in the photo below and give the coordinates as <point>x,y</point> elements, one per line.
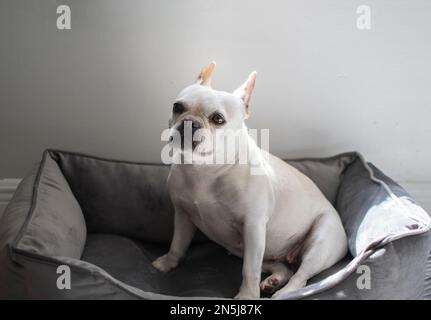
<point>107,220</point>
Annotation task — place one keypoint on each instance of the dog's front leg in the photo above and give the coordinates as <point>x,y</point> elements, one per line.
<point>184,231</point>
<point>254,247</point>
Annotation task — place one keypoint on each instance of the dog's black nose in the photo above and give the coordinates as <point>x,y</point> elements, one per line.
<point>187,130</point>
<point>189,124</point>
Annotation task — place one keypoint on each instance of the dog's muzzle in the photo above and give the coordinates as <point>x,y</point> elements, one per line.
<point>186,130</point>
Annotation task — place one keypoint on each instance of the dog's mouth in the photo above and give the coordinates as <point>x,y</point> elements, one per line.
<point>204,153</point>
<point>186,144</point>
<point>198,148</point>
<point>196,143</point>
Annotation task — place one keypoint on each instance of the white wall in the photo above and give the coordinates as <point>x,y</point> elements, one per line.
<point>106,86</point>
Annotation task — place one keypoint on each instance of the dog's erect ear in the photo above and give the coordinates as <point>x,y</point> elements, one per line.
<point>205,75</point>
<point>244,91</point>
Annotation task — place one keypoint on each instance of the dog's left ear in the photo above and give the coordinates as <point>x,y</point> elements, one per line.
<point>205,75</point>
<point>245,90</point>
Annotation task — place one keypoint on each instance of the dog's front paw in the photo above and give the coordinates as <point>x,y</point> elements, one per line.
<point>165,263</point>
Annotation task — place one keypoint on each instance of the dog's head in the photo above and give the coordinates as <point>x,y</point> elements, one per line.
<point>199,113</point>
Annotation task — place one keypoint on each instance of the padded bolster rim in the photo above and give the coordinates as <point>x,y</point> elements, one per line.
<point>32,236</point>
<point>23,229</point>
<point>391,194</point>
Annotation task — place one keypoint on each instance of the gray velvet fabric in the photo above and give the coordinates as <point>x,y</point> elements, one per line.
<point>55,224</point>
<point>12,283</point>
<point>107,220</point>
<point>396,272</point>
<point>370,212</point>
<point>121,198</point>
<point>17,210</point>
<point>207,270</point>
<point>326,173</point>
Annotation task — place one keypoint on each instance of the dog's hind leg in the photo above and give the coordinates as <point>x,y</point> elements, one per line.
<point>279,275</point>
<point>325,245</point>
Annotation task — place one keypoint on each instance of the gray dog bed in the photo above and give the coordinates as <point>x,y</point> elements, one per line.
<point>108,220</point>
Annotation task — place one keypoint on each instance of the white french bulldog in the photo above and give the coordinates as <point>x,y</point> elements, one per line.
<point>272,219</point>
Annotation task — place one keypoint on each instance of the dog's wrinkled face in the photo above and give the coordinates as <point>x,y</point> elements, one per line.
<point>201,115</point>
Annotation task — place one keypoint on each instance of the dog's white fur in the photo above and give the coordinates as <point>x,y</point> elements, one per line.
<point>269,219</point>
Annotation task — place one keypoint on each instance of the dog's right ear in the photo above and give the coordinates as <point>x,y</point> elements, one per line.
<point>205,75</point>
<point>245,90</point>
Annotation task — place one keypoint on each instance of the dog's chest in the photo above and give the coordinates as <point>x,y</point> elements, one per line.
<point>214,210</point>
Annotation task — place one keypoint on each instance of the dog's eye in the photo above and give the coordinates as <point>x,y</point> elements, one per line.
<point>218,119</point>
<point>178,107</point>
